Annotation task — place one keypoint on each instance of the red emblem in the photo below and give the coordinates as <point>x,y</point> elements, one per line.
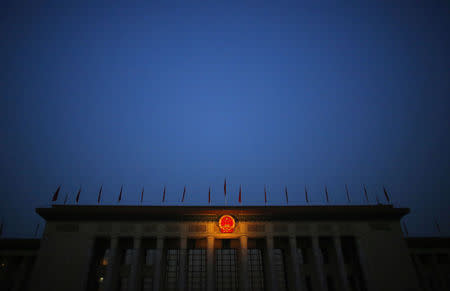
<point>226,224</point>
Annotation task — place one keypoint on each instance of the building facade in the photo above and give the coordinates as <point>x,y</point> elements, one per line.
<point>323,248</point>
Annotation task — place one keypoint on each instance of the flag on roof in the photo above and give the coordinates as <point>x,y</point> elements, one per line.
<point>225,188</point>
<point>164,194</point>
<point>306,195</point>
<point>142,194</point>
<point>265,194</point>
<point>78,195</point>
<point>55,195</point>
<point>386,195</point>
<point>240,194</point>
<point>120,194</point>
<point>209,195</point>
<point>99,194</point>
<point>346,191</point>
<point>365,194</point>
<point>326,194</point>
<point>286,193</point>
<point>184,194</point>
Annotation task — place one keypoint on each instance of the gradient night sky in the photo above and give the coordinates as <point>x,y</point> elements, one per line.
<point>190,92</point>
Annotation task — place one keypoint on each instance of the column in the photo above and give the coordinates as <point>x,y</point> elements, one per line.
<point>318,263</point>
<point>183,267</point>
<point>341,264</point>
<point>210,264</point>
<point>297,279</point>
<point>112,267</point>
<point>158,263</point>
<point>271,281</point>
<point>136,265</point>
<point>362,262</point>
<point>244,279</point>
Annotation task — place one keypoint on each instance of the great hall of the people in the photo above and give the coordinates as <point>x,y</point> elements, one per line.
<point>274,248</point>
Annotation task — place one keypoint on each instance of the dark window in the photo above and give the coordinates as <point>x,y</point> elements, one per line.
<point>147,284</point>
<point>227,275</point>
<point>172,269</point>
<point>303,257</point>
<point>197,269</point>
<point>279,269</point>
<point>325,256</point>
<point>255,270</point>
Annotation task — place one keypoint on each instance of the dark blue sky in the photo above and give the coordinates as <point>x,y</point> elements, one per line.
<point>190,92</point>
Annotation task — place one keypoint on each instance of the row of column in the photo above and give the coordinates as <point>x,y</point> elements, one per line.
<point>294,261</point>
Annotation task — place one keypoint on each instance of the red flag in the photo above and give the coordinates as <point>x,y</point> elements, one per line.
<point>386,195</point>
<point>164,194</point>
<point>65,199</point>
<point>55,196</point>
<point>99,194</point>
<point>240,194</point>
<point>225,188</point>
<point>120,195</point>
<point>265,194</point>
<point>78,195</point>
<point>142,194</point>
<point>365,194</point>
<point>209,196</point>
<point>287,198</point>
<point>184,194</point>
<point>306,195</point>
<point>326,193</point>
<point>346,191</point>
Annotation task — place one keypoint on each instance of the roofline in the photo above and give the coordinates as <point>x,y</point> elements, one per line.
<point>428,242</point>
<point>108,212</point>
<point>19,243</point>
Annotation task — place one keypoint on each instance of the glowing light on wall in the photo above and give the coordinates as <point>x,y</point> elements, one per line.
<point>227,224</point>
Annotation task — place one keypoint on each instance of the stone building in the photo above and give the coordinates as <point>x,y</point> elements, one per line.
<point>323,248</point>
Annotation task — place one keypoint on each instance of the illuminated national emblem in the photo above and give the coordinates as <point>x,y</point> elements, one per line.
<point>226,224</point>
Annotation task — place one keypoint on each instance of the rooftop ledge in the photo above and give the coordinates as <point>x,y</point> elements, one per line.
<point>109,212</point>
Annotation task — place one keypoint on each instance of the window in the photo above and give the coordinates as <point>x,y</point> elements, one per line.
<point>227,275</point>
<point>147,272</point>
<point>325,256</point>
<point>128,257</point>
<point>150,257</point>
<point>196,269</point>
<point>147,284</point>
<point>255,270</point>
<point>172,269</point>
<point>280,274</point>
<point>302,255</point>
<point>105,258</point>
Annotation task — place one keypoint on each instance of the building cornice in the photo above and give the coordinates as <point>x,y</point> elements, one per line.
<point>205,213</point>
